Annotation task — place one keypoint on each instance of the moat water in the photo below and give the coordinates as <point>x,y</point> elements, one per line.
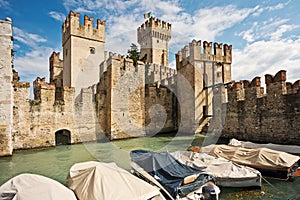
<point>55,163</point>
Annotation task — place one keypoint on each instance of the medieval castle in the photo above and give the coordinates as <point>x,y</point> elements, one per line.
<point>92,94</point>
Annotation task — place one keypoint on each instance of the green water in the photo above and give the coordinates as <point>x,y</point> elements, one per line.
<point>55,163</point>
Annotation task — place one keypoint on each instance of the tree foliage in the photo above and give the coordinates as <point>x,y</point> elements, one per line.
<point>135,54</point>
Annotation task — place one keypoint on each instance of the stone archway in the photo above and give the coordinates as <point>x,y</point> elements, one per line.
<point>62,137</point>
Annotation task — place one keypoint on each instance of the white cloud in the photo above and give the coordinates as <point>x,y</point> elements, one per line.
<point>33,64</point>
<point>281,30</point>
<point>205,23</point>
<point>278,6</point>
<point>4,4</point>
<point>69,4</point>
<point>185,27</point>
<point>260,10</point>
<point>57,15</point>
<point>35,61</point>
<point>267,57</point>
<point>29,39</point>
<point>271,29</point>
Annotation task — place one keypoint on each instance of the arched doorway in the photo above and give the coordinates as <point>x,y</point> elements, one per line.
<point>62,137</point>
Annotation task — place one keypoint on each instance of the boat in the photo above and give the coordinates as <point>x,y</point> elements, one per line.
<point>97,180</point>
<point>271,163</point>
<point>293,149</point>
<point>34,187</point>
<point>176,180</point>
<point>227,173</point>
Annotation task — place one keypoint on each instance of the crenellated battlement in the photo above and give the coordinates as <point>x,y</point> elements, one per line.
<point>267,117</point>
<point>279,77</point>
<point>275,86</point>
<point>126,64</point>
<point>72,26</point>
<point>116,56</point>
<point>154,36</point>
<point>216,52</point>
<point>55,56</point>
<point>56,69</point>
<point>155,23</point>
<point>155,73</point>
<point>45,92</point>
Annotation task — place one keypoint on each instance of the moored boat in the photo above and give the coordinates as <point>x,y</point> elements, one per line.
<point>34,187</point>
<point>227,173</point>
<point>293,149</point>
<point>96,180</point>
<point>176,180</point>
<point>270,163</point>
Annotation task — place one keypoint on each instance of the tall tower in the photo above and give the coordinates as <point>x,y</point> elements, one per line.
<point>6,88</point>
<point>207,68</point>
<point>83,51</point>
<point>154,36</point>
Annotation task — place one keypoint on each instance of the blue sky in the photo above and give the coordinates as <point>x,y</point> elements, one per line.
<point>265,34</point>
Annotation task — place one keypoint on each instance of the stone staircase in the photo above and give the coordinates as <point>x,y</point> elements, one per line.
<point>203,125</point>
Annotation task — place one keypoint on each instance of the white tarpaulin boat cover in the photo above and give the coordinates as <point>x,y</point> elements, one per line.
<point>278,147</point>
<point>227,173</point>
<point>106,181</point>
<point>252,157</point>
<point>34,187</point>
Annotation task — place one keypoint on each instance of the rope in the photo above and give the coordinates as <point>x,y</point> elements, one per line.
<point>267,182</point>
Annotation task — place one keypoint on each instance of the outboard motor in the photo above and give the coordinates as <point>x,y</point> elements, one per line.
<point>208,193</point>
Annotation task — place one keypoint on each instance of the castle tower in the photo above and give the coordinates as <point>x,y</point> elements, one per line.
<point>207,68</point>
<point>83,51</point>
<point>6,89</point>
<point>56,74</point>
<point>154,36</point>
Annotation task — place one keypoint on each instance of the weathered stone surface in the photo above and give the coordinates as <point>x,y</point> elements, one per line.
<point>6,90</point>
<point>271,117</point>
<point>200,70</point>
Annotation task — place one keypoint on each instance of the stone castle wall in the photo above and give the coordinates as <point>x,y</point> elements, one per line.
<point>37,121</point>
<point>271,117</point>
<point>131,101</point>
<point>161,106</point>
<point>6,90</point>
<point>120,98</point>
<point>157,73</point>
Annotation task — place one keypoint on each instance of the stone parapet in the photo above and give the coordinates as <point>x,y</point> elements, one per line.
<point>72,26</point>
<point>154,28</point>
<point>208,51</point>
<point>270,117</point>
<point>156,73</point>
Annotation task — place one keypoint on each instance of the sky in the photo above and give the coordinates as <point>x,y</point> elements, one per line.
<point>264,34</point>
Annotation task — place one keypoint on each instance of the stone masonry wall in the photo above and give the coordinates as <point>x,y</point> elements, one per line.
<point>271,117</point>
<point>121,103</point>
<point>201,67</point>
<point>36,121</point>
<point>160,108</point>
<point>6,90</point>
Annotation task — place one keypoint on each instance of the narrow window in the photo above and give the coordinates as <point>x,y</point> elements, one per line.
<point>92,50</point>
